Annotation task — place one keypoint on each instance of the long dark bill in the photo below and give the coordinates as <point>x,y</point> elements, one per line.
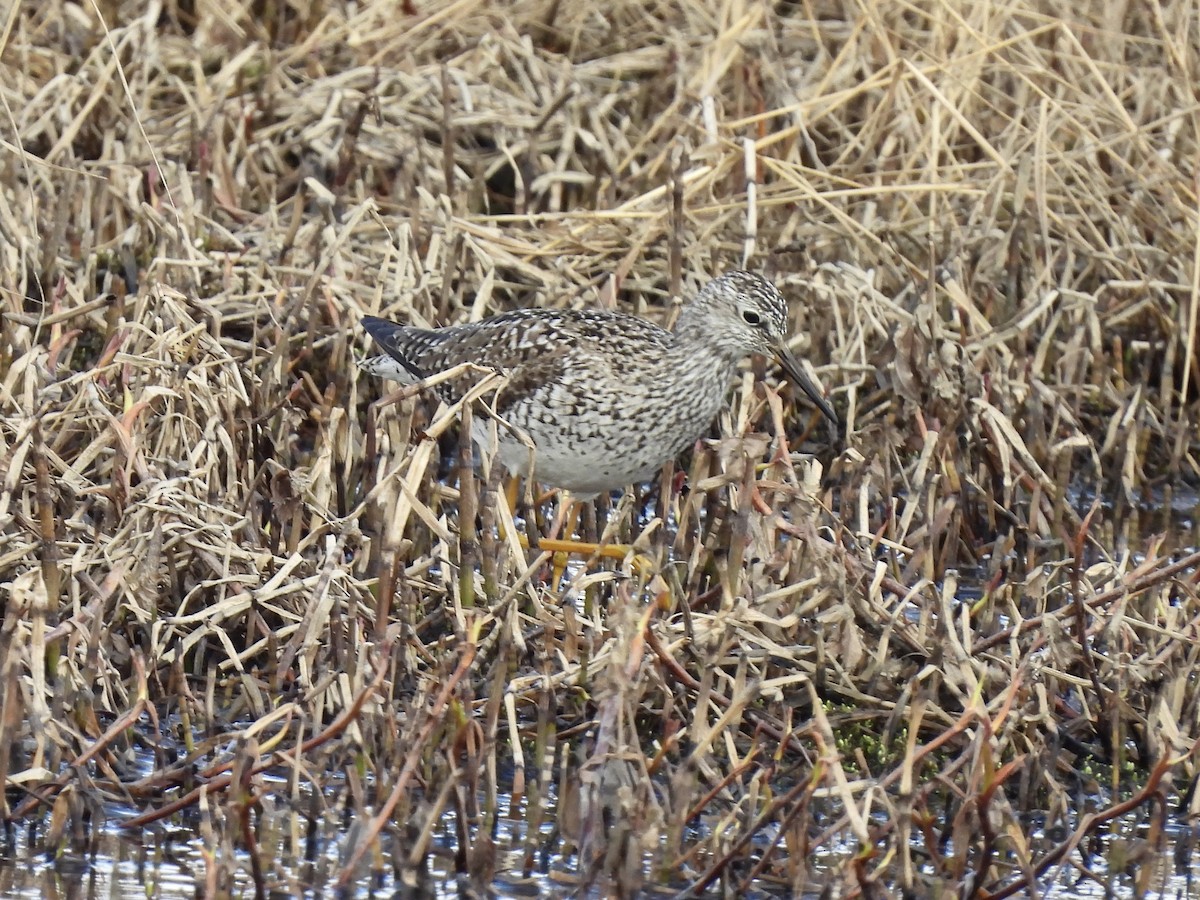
<point>791,366</point>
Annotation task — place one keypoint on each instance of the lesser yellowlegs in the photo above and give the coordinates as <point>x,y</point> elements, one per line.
<point>606,398</point>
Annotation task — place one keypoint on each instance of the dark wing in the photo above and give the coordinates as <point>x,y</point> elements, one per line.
<point>527,345</point>
<point>533,347</point>
<point>395,342</point>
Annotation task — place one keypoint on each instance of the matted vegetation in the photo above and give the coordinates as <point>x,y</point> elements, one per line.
<point>950,650</point>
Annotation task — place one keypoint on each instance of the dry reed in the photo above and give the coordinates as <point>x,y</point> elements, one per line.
<point>952,654</point>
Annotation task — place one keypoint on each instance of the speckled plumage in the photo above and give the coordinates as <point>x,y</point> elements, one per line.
<point>606,398</point>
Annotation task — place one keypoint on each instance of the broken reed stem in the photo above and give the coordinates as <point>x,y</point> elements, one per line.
<point>984,293</point>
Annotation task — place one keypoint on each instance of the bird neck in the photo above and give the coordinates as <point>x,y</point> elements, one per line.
<point>694,334</point>
<point>700,365</point>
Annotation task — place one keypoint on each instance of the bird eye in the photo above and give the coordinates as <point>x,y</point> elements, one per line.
<point>751,317</point>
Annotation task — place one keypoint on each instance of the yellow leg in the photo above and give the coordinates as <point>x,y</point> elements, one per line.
<point>511,490</point>
<point>567,518</point>
<point>562,547</point>
<point>565,522</point>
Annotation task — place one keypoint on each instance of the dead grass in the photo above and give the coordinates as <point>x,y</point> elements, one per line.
<point>908,667</point>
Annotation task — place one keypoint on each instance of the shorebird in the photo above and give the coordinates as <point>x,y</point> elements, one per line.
<point>606,398</point>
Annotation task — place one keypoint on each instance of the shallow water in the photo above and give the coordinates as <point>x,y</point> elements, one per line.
<point>304,845</point>
<point>303,856</point>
